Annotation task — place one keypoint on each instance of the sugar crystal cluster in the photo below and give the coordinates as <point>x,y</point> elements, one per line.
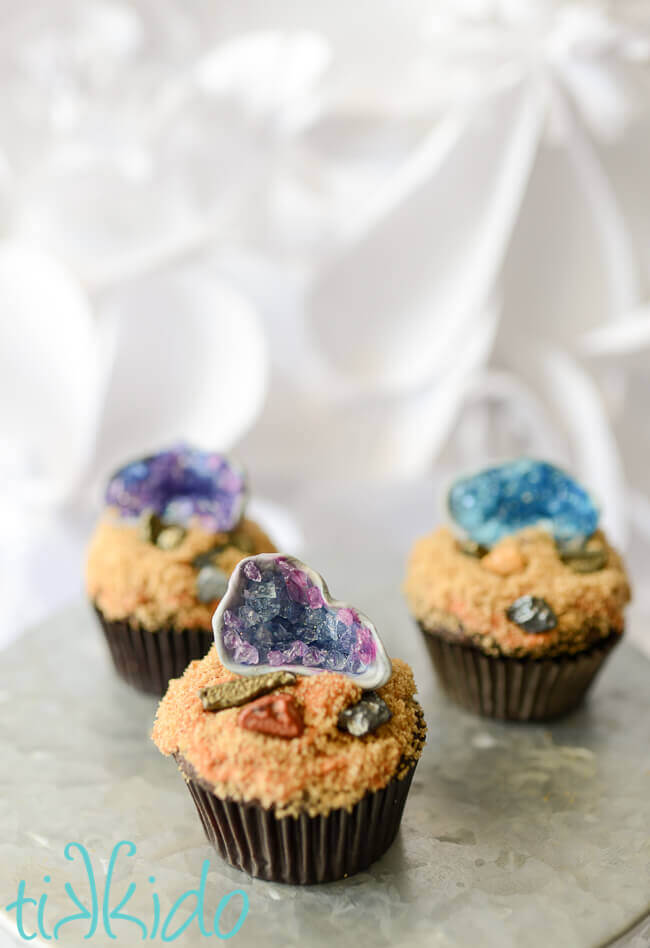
<point>522,493</point>
<point>278,616</point>
<point>180,485</point>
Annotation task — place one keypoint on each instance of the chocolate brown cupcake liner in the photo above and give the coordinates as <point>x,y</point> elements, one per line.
<point>302,850</point>
<point>146,659</point>
<point>515,689</point>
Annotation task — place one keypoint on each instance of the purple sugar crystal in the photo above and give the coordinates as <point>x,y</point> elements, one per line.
<point>231,640</point>
<point>230,619</point>
<point>278,612</point>
<point>314,657</point>
<point>179,485</point>
<point>365,646</point>
<point>252,572</point>
<point>246,653</point>
<point>314,598</point>
<point>296,586</point>
<point>296,651</point>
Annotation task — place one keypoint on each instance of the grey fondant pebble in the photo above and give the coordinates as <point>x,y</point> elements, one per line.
<point>211,583</point>
<point>365,716</point>
<point>532,614</point>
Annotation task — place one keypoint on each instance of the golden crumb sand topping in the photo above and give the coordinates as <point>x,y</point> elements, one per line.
<point>323,769</point>
<point>129,578</point>
<point>467,596</point>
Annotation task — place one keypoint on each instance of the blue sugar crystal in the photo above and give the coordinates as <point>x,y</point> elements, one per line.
<point>353,665</point>
<point>522,493</point>
<point>331,627</point>
<point>264,591</point>
<point>266,609</point>
<point>281,632</point>
<point>346,639</point>
<point>290,610</point>
<point>277,615</point>
<point>335,661</point>
<point>265,637</point>
<point>246,617</point>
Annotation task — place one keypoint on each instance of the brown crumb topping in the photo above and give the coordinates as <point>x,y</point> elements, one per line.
<point>466,597</point>
<point>321,770</point>
<point>130,578</point>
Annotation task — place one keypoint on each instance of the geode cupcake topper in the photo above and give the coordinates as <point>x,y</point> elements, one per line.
<point>180,485</point>
<point>522,493</point>
<point>278,613</point>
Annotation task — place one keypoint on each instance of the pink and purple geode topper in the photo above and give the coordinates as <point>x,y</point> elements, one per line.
<point>278,613</point>
<point>180,485</point>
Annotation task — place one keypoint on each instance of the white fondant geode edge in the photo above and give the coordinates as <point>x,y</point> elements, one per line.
<point>374,677</point>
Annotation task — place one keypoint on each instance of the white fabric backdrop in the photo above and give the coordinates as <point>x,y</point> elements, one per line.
<point>350,242</point>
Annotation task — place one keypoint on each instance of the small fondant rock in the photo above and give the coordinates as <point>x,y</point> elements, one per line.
<point>365,716</point>
<point>532,614</point>
<point>211,584</point>
<point>274,715</point>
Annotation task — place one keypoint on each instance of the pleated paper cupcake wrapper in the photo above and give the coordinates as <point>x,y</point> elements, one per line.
<point>306,849</point>
<point>147,660</point>
<point>515,689</point>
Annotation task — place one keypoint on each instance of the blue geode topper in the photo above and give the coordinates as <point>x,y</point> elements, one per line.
<point>278,613</point>
<point>179,485</point>
<point>522,493</point>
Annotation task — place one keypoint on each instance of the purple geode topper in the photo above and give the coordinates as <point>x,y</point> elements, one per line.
<point>278,613</point>
<point>181,484</point>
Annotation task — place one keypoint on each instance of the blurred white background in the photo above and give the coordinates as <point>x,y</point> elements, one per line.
<point>362,242</point>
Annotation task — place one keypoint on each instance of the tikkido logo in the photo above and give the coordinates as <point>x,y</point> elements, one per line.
<point>102,919</point>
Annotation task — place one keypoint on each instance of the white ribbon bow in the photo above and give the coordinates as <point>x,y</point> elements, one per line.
<point>428,286</point>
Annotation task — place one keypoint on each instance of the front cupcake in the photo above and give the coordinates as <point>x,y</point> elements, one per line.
<point>161,556</point>
<point>521,612</point>
<point>296,735</point>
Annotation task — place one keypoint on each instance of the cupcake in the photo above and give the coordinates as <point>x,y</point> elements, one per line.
<point>159,560</point>
<point>296,735</point>
<point>520,612</point>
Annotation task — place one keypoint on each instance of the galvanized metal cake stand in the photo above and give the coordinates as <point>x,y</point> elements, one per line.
<point>513,835</point>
